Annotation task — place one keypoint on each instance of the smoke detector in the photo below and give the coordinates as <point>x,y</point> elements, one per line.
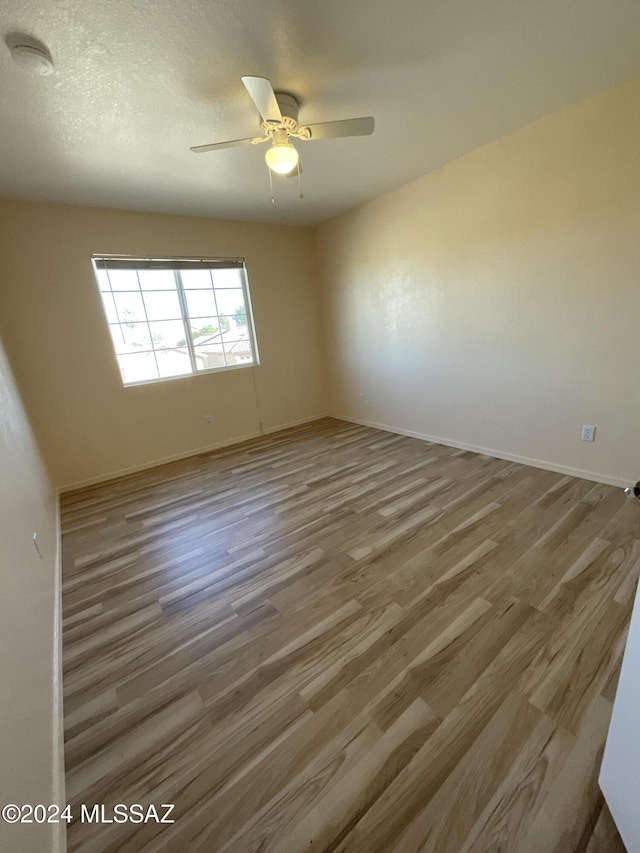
<point>30,55</point>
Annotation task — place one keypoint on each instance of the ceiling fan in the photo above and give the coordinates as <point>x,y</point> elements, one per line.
<point>279,113</point>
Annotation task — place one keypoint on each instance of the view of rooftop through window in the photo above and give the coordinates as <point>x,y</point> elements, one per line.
<point>176,317</point>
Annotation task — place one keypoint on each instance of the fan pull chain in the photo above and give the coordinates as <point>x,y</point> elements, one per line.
<point>273,201</point>
<point>299,182</point>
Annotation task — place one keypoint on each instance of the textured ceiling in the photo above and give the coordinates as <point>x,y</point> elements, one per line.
<point>139,81</point>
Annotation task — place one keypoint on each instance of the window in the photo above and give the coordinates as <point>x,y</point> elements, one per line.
<point>172,318</point>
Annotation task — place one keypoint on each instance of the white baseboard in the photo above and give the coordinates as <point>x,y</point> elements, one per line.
<point>196,451</point>
<point>59,783</point>
<point>595,476</point>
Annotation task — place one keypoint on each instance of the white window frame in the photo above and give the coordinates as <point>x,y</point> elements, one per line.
<point>175,264</point>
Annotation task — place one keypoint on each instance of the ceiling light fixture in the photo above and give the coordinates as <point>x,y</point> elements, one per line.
<point>282,157</point>
<point>30,55</point>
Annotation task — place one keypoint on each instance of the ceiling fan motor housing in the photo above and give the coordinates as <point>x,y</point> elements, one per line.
<point>289,108</point>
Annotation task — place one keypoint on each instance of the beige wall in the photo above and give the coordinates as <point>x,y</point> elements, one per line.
<point>90,426</point>
<point>496,302</point>
<point>30,755</point>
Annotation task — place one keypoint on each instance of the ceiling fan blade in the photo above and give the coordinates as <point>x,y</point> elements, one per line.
<point>263,96</point>
<point>294,172</point>
<point>348,127</point>
<point>232,143</point>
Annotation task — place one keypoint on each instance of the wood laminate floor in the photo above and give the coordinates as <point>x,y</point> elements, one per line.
<point>340,639</point>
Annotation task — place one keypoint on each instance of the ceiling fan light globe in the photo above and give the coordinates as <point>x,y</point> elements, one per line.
<point>282,158</point>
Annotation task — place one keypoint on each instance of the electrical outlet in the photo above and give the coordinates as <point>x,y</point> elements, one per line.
<point>361,398</point>
<point>208,420</point>
<point>588,433</point>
